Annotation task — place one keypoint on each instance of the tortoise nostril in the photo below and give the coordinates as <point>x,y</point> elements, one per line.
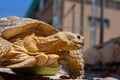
<point>78,36</point>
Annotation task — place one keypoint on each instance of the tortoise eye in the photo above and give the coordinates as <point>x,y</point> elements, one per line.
<point>78,36</point>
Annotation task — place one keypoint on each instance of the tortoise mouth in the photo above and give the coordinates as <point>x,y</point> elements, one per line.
<point>80,43</point>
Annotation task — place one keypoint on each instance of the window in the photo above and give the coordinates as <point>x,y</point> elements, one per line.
<point>97,20</point>
<point>112,5</point>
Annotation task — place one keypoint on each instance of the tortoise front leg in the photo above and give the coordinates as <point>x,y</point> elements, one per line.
<point>30,62</point>
<point>47,60</point>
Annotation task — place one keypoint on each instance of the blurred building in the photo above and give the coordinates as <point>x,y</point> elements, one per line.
<point>66,15</point>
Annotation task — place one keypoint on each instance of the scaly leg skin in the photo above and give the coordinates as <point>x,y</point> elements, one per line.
<point>75,69</point>
<point>42,59</point>
<point>30,62</point>
<point>13,55</point>
<point>39,60</point>
<point>75,58</point>
<point>47,60</point>
<point>5,47</point>
<point>75,62</point>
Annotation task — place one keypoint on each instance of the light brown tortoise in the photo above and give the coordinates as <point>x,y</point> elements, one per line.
<point>27,42</point>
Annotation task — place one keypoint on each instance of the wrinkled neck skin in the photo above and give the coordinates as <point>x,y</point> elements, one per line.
<point>57,42</point>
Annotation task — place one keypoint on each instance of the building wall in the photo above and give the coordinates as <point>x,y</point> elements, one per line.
<point>47,14</point>
<point>113,15</point>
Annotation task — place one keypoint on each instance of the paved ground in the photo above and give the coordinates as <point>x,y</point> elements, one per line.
<point>92,75</point>
<point>7,74</point>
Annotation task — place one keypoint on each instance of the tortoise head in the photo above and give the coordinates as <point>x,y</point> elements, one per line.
<point>76,41</point>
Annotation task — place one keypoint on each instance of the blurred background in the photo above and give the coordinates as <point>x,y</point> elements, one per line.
<point>96,20</point>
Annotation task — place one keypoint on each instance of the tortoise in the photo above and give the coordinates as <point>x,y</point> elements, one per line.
<point>28,42</point>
